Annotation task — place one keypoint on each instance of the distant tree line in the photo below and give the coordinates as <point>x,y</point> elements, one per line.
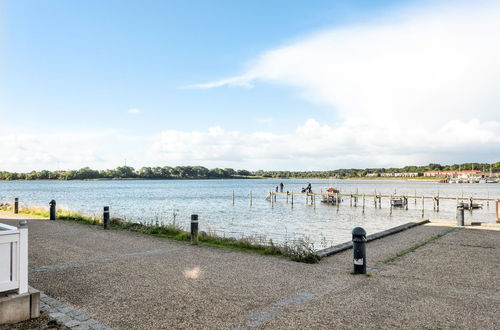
<point>200,172</point>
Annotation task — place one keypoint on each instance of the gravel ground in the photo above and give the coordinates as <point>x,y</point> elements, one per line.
<point>132,281</point>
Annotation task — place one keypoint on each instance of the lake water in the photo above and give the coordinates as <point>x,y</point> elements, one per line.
<point>142,200</point>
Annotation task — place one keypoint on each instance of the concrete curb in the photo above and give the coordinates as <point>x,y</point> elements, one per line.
<point>347,245</point>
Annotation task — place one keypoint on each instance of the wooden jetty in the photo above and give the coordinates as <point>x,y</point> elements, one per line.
<point>394,199</point>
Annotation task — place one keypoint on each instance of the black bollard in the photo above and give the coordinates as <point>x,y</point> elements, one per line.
<point>359,250</point>
<point>52,205</point>
<point>460,214</point>
<point>105,217</point>
<point>194,228</point>
<point>16,205</point>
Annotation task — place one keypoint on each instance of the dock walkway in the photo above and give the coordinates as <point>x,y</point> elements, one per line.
<point>125,280</point>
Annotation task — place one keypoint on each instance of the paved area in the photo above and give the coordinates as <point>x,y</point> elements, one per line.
<point>125,280</point>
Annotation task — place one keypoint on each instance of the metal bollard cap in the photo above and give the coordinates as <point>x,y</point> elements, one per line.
<point>22,224</point>
<point>52,202</point>
<point>194,217</point>
<point>358,231</point>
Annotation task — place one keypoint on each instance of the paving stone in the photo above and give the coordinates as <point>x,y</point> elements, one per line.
<point>72,323</point>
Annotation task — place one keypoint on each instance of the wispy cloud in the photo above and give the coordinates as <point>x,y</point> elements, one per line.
<point>418,66</point>
<point>134,111</point>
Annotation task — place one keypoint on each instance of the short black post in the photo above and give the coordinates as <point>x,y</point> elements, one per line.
<point>194,228</point>
<point>359,250</point>
<point>460,214</point>
<point>105,217</point>
<point>52,205</point>
<point>16,205</point>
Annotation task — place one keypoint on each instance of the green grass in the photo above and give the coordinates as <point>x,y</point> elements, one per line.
<point>417,246</point>
<point>300,251</point>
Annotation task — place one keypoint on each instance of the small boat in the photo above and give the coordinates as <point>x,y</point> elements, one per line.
<point>474,206</point>
<point>331,196</point>
<point>491,181</point>
<point>397,202</point>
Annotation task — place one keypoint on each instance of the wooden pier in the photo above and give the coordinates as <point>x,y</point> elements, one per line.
<point>403,202</point>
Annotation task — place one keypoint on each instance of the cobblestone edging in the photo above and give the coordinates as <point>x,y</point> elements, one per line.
<point>68,316</point>
<point>347,245</point>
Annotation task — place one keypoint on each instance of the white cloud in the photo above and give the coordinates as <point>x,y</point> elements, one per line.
<point>134,111</point>
<point>414,86</point>
<point>316,146</point>
<point>414,68</point>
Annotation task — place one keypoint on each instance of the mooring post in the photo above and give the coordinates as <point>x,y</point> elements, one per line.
<point>498,210</point>
<point>423,207</point>
<point>272,199</point>
<point>363,203</point>
<point>52,205</point>
<point>105,217</point>
<point>488,200</point>
<point>251,198</point>
<point>292,200</point>
<point>350,204</point>
<point>16,205</point>
<point>194,229</point>
<point>314,199</point>
<point>390,206</point>
<point>287,197</point>
<point>337,201</point>
<point>379,201</point>
<point>437,204</point>
<point>359,250</point>
<point>233,197</point>
<point>470,204</point>
<point>415,197</point>
<point>460,214</point>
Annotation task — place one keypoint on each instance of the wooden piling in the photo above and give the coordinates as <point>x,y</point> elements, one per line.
<point>423,202</point>
<point>363,203</point>
<point>292,200</point>
<point>337,201</point>
<point>251,198</point>
<point>233,197</point>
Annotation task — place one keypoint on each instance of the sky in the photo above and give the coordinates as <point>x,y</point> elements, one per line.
<point>264,84</point>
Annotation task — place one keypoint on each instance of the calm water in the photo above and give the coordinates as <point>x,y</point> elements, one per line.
<point>212,200</point>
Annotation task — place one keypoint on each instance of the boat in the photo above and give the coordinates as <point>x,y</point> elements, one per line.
<point>397,202</point>
<point>491,181</point>
<point>474,206</point>
<point>331,196</point>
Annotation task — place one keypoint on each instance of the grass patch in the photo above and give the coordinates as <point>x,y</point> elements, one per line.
<point>299,250</point>
<point>417,246</point>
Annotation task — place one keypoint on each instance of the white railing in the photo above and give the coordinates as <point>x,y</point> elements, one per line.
<point>14,258</point>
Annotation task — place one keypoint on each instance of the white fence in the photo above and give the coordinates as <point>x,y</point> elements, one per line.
<point>14,258</point>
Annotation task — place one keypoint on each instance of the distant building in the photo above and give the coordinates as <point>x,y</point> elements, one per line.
<point>454,174</point>
<point>373,174</point>
<point>391,174</point>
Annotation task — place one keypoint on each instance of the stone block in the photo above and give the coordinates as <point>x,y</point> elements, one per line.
<point>15,308</point>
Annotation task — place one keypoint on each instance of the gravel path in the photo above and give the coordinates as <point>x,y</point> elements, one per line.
<point>132,281</point>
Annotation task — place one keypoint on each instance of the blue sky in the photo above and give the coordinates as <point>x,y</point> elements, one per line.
<point>77,68</point>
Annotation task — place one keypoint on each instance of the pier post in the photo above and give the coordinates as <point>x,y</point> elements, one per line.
<point>359,250</point>
<point>437,204</point>
<point>423,202</point>
<point>233,197</point>
<point>337,201</point>
<point>287,197</point>
<point>390,207</point>
<point>351,201</point>
<point>498,210</point>
<point>292,200</point>
<point>272,198</point>
<point>363,203</point>
<point>52,205</point>
<point>415,197</point>
<point>314,200</point>
<point>470,205</point>
<point>379,201</point>
<point>105,217</point>
<point>16,205</point>
<point>251,198</point>
<point>460,214</point>
<point>194,229</point>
